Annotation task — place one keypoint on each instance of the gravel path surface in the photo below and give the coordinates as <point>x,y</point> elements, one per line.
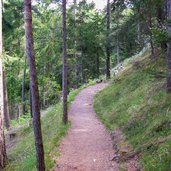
<point>88,145</point>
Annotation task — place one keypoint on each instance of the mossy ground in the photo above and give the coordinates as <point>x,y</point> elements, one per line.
<point>138,104</point>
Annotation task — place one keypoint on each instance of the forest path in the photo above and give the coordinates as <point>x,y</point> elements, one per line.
<point>88,145</point>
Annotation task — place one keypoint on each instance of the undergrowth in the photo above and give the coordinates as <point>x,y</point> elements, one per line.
<point>137,103</point>
<point>21,150</point>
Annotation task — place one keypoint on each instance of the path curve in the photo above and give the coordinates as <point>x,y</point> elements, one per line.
<point>88,146</point>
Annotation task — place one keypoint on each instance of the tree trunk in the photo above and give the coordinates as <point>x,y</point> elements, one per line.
<point>138,23</point>
<point>64,75</point>
<point>117,50</point>
<point>108,43</point>
<point>161,14</point>
<point>23,85</point>
<point>75,49</point>
<point>34,86</point>
<point>139,32</point>
<point>30,101</point>
<point>169,48</point>
<point>18,113</point>
<point>3,157</point>
<point>151,37</point>
<point>44,89</point>
<point>150,32</point>
<point>160,20</point>
<point>98,64</point>
<point>6,107</point>
<point>82,67</point>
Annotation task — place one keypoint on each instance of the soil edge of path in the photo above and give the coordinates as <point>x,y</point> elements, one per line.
<point>88,146</point>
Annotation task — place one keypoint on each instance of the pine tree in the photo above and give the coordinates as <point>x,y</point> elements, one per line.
<point>107,46</point>
<point>34,86</point>
<point>169,48</point>
<point>64,81</point>
<point>3,157</point>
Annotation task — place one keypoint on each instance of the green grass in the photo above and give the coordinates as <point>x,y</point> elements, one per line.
<point>139,105</point>
<point>21,157</point>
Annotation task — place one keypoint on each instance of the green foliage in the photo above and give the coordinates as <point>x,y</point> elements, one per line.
<point>160,36</point>
<point>138,104</point>
<point>88,33</point>
<point>86,42</point>
<point>134,25</point>
<point>23,120</point>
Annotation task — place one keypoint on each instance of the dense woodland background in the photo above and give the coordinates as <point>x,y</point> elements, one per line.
<point>97,41</point>
<point>134,24</point>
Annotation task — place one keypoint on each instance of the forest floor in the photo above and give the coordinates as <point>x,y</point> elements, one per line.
<point>88,145</point>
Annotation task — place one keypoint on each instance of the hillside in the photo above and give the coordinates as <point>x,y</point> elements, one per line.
<point>137,103</point>
<point>21,149</point>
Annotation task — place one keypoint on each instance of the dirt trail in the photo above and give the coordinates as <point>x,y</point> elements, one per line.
<point>88,146</point>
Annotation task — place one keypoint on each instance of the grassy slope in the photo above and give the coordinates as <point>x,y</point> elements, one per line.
<point>22,155</point>
<point>139,105</point>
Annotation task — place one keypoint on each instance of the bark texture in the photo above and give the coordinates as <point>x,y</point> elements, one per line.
<point>161,22</point>
<point>30,102</point>
<point>108,43</point>
<point>3,157</point>
<point>64,75</point>
<point>34,86</point>
<point>6,106</point>
<point>169,48</point>
<point>23,84</point>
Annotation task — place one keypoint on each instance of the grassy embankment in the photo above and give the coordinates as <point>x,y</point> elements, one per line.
<point>21,150</point>
<point>139,105</point>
